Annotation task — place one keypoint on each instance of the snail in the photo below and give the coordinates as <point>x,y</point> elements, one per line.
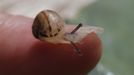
<point>49,26</point>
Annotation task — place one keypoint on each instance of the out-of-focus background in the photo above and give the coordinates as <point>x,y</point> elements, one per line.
<point>115,16</point>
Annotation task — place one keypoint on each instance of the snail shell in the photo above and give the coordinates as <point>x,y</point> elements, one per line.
<point>48,26</point>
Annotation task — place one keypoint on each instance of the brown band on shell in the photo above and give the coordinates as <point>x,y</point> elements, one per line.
<point>38,28</point>
<point>42,31</point>
<point>49,28</point>
<point>43,34</point>
<point>58,29</point>
<point>48,24</point>
<point>55,34</point>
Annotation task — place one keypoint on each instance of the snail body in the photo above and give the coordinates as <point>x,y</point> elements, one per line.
<point>49,26</point>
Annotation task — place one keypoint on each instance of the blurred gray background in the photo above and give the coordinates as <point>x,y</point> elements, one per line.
<point>115,16</point>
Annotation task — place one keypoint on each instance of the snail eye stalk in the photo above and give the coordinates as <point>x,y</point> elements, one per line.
<point>76,28</point>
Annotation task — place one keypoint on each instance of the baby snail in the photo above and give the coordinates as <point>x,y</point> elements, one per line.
<point>49,26</point>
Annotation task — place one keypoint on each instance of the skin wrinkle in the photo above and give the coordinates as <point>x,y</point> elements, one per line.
<point>3,19</point>
<point>11,25</point>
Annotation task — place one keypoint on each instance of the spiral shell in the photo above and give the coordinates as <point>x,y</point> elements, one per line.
<point>48,24</point>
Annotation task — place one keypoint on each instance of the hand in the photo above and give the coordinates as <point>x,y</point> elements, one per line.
<point>22,54</point>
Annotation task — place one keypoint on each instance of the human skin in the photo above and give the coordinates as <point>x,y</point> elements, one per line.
<point>22,54</point>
